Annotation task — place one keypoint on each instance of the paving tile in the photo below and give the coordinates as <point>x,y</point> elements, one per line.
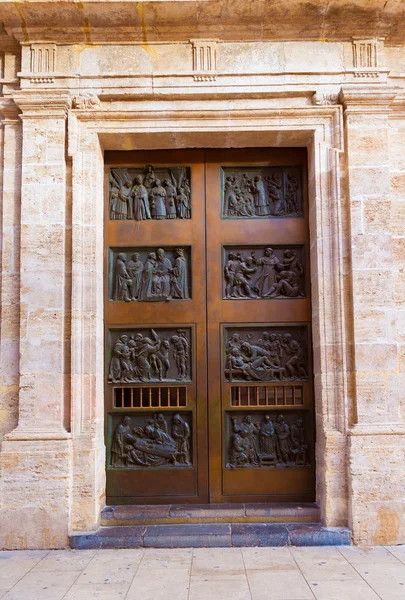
<point>345,589</point>
<point>315,553</point>
<point>114,567</point>
<point>217,563</point>
<point>274,559</point>
<point>187,536</point>
<point>42,586</point>
<point>278,585</point>
<point>26,557</point>
<point>397,551</point>
<point>258,534</point>
<point>86,591</point>
<point>212,589</point>
<point>367,555</point>
<point>157,584</point>
<point>328,570</point>
<point>65,560</point>
<point>386,579</point>
<point>166,558</point>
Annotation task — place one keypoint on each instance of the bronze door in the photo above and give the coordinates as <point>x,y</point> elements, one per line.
<point>207,327</point>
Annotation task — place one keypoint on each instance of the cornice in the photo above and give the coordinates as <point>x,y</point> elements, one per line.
<point>44,104</point>
<point>9,109</point>
<point>364,98</point>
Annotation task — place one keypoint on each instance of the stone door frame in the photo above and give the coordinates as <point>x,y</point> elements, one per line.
<point>202,124</point>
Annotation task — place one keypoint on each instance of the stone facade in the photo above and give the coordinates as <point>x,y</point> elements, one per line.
<point>123,76</point>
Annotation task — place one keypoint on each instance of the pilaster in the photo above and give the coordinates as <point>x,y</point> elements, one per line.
<point>36,457</point>
<point>376,430</point>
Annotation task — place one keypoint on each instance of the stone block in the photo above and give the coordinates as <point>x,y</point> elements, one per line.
<point>316,535</point>
<point>188,536</point>
<point>258,534</point>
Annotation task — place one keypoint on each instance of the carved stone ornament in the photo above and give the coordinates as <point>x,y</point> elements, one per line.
<point>266,353</point>
<point>264,272</point>
<point>151,440</point>
<point>149,274</point>
<point>262,192</point>
<point>144,355</point>
<point>86,102</point>
<point>325,99</point>
<point>204,60</point>
<point>266,439</point>
<point>150,193</point>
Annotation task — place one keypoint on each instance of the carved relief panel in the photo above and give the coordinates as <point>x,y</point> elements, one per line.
<point>150,440</point>
<point>150,193</point>
<point>263,272</point>
<point>149,274</point>
<point>141,355</point>
<point>260,353</point>
<point>261,192</point>
<point>267,439</point>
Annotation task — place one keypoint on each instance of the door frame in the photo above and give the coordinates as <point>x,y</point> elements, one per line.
<point>215,124</point>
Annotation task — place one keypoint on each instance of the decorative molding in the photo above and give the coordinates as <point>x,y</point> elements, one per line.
<point>204,60</point>
<point>42,58</point>
<point>367,98</point>
<point>45,104</point>
<point>325,99</point>
<point>366,58</point>
<point>86,102</point>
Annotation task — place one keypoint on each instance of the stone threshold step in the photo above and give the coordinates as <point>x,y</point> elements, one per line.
<point>213,535</point>
<point>165,514</point>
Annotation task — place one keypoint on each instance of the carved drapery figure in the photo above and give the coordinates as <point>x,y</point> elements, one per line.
<point>283,440</point>
<point>291,195</point>
<point>181,354</point>
<point>150,444</point>
<point>267,275</point>
<point>171,211</point>
<point>181,435</point>
<point>180,275</point>
<point>135,268</point>
<point>123,285</point>
<point>274,357</point>
<point>157,199</point>
<point>149,270</point>
<point>267,438</point>
<point>121,368</point>
<point>162,277</point>
<point>140,201</point>
<point>149,177</point>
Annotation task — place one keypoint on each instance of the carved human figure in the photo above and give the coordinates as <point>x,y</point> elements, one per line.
<point>291,262</point>
<point>145,353</point>
<point>251,430</point>
<point>161,422</point>
<point>287,284</point>
<point>237,454</point>
<point>291,194</point>
<point>234,341</point>
<point>162,277</point>
<point>122,285</point>
<point>135,268</point>
<point>283,446</point>
<point>180,275</point>
<point>231,268</point>
<point>272,345</point>
<point>112,208</point>
<point>247,190</point>
<point>157,199</point>
<point>121,368</point>
<point>180,353</point>
<point>267,276</point>
<point>140,201</point>
<point>181,435</point>
<point>149,177</point>
<point>148,274</point>
<point>151,446</point>
<point>298,446</point>
<point>123,208</point>
<point>295,366</point>
<point>274,187</point>
<point>162,360</point>
<point>231,191</point>
<point>171,211</point>
<point>262,207</point>
<point>118,451</point>
<point>267,440</point>
<point>243,273</point>
<point>187,191</point>
<point>236,365</point>
<point>182,207</point>
<point>260,361</point>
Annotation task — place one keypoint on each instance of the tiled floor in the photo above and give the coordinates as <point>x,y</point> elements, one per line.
<point>323,573</point>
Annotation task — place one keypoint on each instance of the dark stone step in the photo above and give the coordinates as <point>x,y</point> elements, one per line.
<point>287,512</point>
<point>214,535</point>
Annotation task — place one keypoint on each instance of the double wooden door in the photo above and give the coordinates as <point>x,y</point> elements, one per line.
<point>208,374</point>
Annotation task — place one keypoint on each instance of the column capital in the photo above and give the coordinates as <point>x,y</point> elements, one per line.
<point>9,110</point>
<point>47,104</point>
<point>367,98</point>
